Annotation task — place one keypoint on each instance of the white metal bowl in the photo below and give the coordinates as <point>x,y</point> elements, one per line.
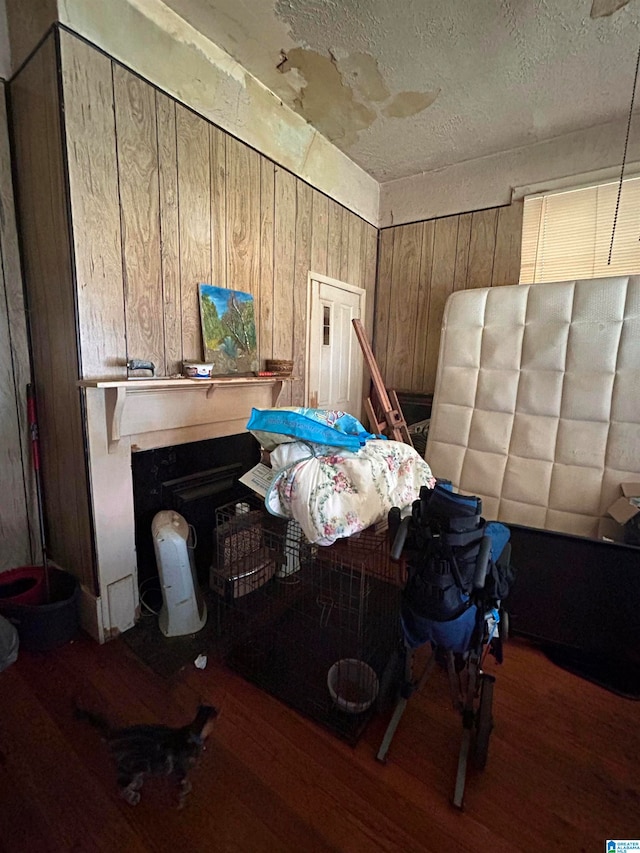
<point>353,685</point>
<point>197,369</point>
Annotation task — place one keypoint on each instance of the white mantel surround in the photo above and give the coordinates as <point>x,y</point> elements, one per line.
<point>142,414</point>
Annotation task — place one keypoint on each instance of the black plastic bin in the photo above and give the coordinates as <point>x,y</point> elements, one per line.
<point>44,627</point>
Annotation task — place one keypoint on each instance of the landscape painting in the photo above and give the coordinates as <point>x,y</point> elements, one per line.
<point>228,330</point>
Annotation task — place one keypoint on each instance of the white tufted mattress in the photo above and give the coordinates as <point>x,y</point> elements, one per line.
<point>537,401</point>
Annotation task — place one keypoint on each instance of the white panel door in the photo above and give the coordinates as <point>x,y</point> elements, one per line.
<point>334,374</point>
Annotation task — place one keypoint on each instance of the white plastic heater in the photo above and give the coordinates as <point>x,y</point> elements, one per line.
<point>183,609</point>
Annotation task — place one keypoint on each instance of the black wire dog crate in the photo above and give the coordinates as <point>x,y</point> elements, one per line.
<point>316,627</point>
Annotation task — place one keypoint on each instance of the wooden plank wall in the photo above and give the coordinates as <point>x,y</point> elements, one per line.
<point>181,202</point>
<point>160,200</point>
<point>419,266</point>
<point>41,195</point>
<point>18,508</point>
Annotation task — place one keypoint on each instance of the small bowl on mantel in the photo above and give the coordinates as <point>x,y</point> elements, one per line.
<point>197,369</point>
<point>279,366</point>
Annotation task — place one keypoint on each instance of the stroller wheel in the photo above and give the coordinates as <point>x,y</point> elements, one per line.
<point>484,722</point>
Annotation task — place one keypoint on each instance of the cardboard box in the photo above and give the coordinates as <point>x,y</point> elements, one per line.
<point>631,488</point>
<point>626,508</point>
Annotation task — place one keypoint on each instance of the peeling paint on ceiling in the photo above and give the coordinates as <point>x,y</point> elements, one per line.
<point>363,74</point>
<point>324,99</point>
<point>333,95</point>
<point>408,87</point>
<point>602,8</point>
<point>406,104</point>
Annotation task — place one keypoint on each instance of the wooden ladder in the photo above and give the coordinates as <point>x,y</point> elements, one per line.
<point>384,412</point>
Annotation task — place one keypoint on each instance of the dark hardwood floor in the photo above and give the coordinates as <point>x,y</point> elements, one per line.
<point>562,772</point>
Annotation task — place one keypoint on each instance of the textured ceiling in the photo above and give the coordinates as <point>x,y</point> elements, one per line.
<point>407,86</point>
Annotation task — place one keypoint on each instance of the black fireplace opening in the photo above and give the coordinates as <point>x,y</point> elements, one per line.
<point>194,480</point>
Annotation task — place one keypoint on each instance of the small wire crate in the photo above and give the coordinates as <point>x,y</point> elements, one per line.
<point>314,626</point>
<point>252,547</point>
<point>245,561</point>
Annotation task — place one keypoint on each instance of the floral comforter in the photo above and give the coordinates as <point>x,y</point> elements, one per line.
<point>333,493</point>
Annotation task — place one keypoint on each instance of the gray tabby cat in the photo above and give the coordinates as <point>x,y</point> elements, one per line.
<point>145,750</point>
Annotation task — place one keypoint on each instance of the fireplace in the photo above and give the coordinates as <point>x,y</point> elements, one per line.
<point>125,418</point>
<point>193,479</point>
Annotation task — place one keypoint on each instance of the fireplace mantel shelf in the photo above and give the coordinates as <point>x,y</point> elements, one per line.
<point>158,412</point>
<point>180,382</point>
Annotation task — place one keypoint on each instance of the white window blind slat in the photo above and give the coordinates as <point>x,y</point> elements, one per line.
<point>566,235</point>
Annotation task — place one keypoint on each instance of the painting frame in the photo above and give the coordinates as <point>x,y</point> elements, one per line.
<point>228,325</point>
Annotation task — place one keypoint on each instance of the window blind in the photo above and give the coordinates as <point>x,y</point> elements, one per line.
<point>566,235</point>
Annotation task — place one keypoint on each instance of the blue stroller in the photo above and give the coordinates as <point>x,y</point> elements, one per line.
<point>458,572</point>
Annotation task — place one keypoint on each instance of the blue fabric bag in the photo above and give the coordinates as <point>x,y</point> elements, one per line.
<point>334,428</point>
